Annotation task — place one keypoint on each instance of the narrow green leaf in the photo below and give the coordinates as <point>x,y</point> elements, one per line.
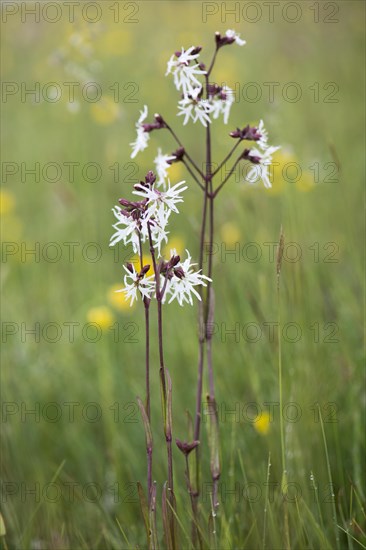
<point>145,420</point>
<point>153,545</point>
<point>163,398</point>
<point>166,523</point>
<point>2,526</point>
<point>144,510</point>
<point>168,420</point>
<point>213,438</point>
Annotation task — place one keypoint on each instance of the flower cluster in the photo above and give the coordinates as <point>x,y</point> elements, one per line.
<point>185,74</point>
<point>260,156</point>
<point>261,160</point>
<point>137,283</point>
<point>180,279</point>
<point>205,103</point>
<point>177,281</point>
<point>150,215</point>
<point>229,38</point>
<point>146,220</point>
<point>222,99</point>
<point>143,136</point>
<point>162,163</point>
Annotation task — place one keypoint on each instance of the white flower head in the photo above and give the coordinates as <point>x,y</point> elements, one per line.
<point>192,106</point>
<point>260,170</point>
<point>143,137</point>
<point>262,142</point>
<point>130,229</point>
<point>222,104</point>
<point>136,284</point>
<point>185,74</point>
<point>162,165</point>
<point>181,287</point>
<point>127,229</point>
<point>159,235</point>
<point>231,34</point>
<point>161,203</point>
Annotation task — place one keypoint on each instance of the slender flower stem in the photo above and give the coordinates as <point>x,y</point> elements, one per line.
<point>152,252</point>
<point>193,175</point>
<point>186,154</point>
<point>210,247</point>
<point>209,317</point>
<point>228,156</point>
<point>203,231</point>
<point>159,296</point>
<point>212,62</point>
<point>209,192</point>
<point>201,350</point>
<point>195,532</point>
<point>147,355</point>
<point>197,421</point>
<point>215,193</point>
<point>141,253</point>
<point>209,355</point>
<point>146,302</point>
<point>161,350</point>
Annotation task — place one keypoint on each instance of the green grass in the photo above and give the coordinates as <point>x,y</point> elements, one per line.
<point>323,377</point>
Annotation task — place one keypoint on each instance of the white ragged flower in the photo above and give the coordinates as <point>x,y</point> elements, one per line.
<point>162,165</point>
<point>137,284</point>
<point>185,74</point>
<point>159,235</point>
<point>127,229</point>
<point>262,142</point>
<point>143,137</point>
<point>232,35</point>
<point>192,106</point>
<point>160,201</point>
<point>222,104</point>
<point>260,170</point>
<point>131,229</point>
<point>183,284</point>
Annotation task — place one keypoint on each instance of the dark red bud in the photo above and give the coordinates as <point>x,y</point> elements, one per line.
<point>150,177</point>
<point>124,202</point>
<point>159,118</point>
<point>144,270</point>
<point>217,37</point>
<point>178,272</point>
<point>174,260</point>
<point>196,50</point>
<point>179,154</point>
<point>185,447</point>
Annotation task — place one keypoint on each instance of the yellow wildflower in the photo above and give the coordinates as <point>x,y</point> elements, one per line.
<point>262,423</point>
<point>7,201</point>
<point>230,233</point>
<point>102,316</point>
<point>118,299</point>
<point>105,111</point>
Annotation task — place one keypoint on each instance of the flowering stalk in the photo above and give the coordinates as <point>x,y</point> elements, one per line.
<point>145,220</point>
<point>147,356</point>
<point>186,449</point>
<point>214,440</point>
<point>159,297</point>
<point>147,409</point>
<point>149,447</point>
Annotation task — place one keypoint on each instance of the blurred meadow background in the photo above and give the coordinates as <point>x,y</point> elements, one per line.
<point>69,469</point>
